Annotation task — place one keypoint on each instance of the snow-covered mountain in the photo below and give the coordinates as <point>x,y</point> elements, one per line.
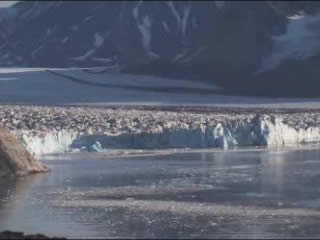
<point>247,47</point>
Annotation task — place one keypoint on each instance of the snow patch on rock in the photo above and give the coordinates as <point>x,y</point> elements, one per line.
<point>175,13</point>
<point>64,40</point>
<point>165,26</point>
<point>87,54</point>
<point>98,40</point>
<point>145,31</point>
<point>185,18</point>
<point>300,41</point>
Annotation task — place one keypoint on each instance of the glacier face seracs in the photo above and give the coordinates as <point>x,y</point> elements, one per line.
<point>259,130</point>
<point>46,143</point>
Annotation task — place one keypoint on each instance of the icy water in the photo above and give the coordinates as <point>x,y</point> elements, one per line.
<point>208,194</point>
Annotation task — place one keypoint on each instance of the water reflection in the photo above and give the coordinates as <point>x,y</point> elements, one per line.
<point>272,171</point>
<point>200,195</point>
<point>13,194</point>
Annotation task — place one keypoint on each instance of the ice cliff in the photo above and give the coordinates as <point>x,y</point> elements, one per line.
<point>260,130</point>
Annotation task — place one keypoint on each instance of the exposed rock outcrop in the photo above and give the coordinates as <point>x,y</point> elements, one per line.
<point>15,160</point>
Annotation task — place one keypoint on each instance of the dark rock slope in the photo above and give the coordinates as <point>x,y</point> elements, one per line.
<point>247,47</point>
<point>20,235</point>
<point>64,33</point>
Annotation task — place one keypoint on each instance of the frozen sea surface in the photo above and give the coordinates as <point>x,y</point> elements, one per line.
<point>202,194</point>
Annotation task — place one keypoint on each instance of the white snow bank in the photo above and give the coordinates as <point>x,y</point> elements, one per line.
<point>260,131</point>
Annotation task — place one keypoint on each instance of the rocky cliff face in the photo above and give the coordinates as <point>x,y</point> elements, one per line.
<point>92,33</point>
<point>15,160</point>
<point>235,44</point>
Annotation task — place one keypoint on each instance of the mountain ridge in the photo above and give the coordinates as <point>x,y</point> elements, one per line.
<point>228,43</point>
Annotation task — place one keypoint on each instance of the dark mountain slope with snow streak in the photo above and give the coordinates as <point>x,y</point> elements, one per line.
<point>248,47</point>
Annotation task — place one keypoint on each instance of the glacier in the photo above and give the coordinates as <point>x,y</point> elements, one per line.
<point>262,130</point>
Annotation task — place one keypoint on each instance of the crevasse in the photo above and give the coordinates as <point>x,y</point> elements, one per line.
<point>263,130</point>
